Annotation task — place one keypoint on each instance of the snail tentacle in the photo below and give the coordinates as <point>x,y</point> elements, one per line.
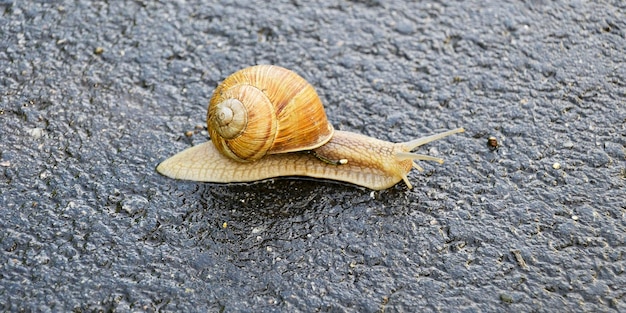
<point>415,156</point>
<point>413,144</point>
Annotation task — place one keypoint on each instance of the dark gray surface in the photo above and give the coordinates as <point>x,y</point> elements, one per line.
<point>88,225</point>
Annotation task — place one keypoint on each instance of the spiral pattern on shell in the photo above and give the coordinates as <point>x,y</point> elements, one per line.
<point>266,109</point>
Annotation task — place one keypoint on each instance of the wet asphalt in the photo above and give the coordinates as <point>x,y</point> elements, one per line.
<point>93,95</point>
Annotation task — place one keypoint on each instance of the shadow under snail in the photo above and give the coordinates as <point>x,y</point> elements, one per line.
<point>266,121</point>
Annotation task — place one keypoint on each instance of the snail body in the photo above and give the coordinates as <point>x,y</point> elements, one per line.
<point>322,153</point>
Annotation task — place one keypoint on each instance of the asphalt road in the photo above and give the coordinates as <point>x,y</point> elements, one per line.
<point>94,94</point>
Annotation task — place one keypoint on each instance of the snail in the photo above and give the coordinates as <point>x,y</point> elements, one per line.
<point>266,121</point>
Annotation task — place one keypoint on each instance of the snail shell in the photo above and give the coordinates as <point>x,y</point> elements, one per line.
<point>266,121</point>
<point>263,110</point>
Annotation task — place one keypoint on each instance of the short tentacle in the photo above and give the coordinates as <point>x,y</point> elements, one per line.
<point>415,156</point>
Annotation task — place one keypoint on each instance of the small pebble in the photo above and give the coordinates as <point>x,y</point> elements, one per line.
<point>492,142</point>
<point>556,165</point>
<point>36,132</point>
<point>405,28</point>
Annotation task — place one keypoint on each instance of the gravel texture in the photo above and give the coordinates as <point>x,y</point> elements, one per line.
<point>94,94</point>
